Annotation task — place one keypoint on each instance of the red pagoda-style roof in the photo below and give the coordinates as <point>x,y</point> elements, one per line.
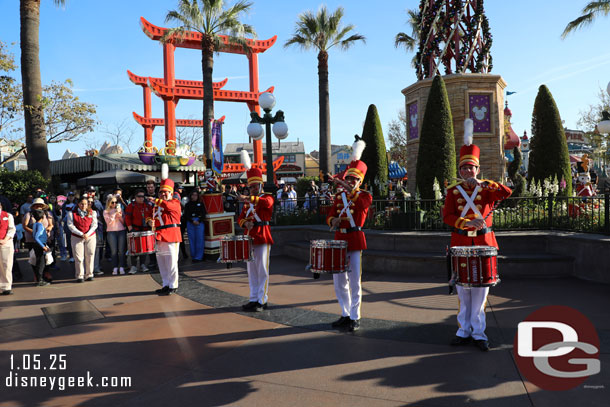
<point>192,39</point>
<point>152,122</point>
<point>182,92</point>
<point>143,81</point>
<point>239,168</point>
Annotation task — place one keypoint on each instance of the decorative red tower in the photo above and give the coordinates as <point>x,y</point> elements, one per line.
<point>171,90</point>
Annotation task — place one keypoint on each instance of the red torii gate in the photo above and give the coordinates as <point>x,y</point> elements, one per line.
<point>171,90</point>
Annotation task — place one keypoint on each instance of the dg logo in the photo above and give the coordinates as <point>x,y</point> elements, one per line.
<point>557,348</point>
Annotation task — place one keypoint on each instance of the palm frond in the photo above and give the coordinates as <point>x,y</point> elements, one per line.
<point>404,40</point>
<point>597,7</point>
<point>578,23</point>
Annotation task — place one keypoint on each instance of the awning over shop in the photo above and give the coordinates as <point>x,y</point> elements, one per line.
<point>100,163</point>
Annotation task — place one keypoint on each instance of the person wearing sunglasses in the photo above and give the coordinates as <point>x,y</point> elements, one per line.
<point>136,214</point>
<point>115,234</point>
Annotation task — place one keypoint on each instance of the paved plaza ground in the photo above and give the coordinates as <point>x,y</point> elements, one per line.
<point>198,348</point>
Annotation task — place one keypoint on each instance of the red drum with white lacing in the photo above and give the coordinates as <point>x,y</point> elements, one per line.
<point>474,266</point>
<point>235,248</point>
<point>328,256</point>
<point>141,242</point>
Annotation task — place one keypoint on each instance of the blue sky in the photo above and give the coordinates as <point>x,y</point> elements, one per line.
<point>94,43</point>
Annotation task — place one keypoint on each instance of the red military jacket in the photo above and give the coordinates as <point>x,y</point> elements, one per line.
<point>483,201</point>
<point>136,215</point>
<point>167,220</point>
<point>359,202</point>
<point>263,206</point>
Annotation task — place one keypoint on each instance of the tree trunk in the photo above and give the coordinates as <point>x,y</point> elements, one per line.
<point>35,134</point>
<point>324,106</point>
<point>207,66</point>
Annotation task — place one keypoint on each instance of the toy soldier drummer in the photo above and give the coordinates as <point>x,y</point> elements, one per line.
<point>347,217</point>
<point>468,207</point>
<point>255,217</point>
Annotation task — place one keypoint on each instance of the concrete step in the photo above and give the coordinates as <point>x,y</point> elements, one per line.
<point>509,242</point>
<point>414,263</point>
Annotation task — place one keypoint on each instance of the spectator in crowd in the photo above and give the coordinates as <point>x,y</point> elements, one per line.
<point>25,208</point>
<point>292,198</point>
<point>135,219</point>
<point>82,223</point>
<point>28,224</point>
<point>67,207</point>
<point>96,205</point>
<point>7,252</point>
<point>230,199</point>
<point>40,246</point>
<point>311,197</point>
<point>118,194</point>
<point>18,231</point>
<point>151,190</point>
<point>193,216</point>
<point>55,211</point>
<point>115,234</point>
<point>178,191</point>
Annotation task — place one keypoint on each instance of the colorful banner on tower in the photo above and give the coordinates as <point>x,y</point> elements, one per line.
<point>217,156</point>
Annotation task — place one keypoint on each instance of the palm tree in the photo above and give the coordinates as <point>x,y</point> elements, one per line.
<point>409,42</point>
<point>322,32</point>
<point>210,19</point>
<point>35,134</point>
<point>589,13</point>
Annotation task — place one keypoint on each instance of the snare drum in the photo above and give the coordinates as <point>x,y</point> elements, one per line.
<point>212,202</point>
<point>328,256</point>
<point>235,248</point>
<point>475,266</point>
<point>141,242</point>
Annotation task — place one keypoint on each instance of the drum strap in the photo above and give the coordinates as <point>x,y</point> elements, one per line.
<point>469,201</point>
<point>346,210</point>
<point>253,212</point>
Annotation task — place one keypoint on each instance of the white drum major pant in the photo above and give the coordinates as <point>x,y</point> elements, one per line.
<point>84,256</point>
<point>348,287</point>
<point>167,260</point>
<point>258,273</point>
<point>471,317</point>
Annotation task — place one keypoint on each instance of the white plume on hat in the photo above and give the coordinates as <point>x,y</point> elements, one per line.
<point>358,148</point>
<point>468,131</point>
<point>245,159</point>
<point>164,171</point>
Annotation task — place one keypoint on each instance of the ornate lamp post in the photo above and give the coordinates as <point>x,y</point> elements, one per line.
<point>280,129</point>
<point>604,126</point>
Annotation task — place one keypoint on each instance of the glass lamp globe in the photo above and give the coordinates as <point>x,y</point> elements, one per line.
<point>280,129</point>
<point>604,126</point>
<point>266,101</point>
<point>255,130</point>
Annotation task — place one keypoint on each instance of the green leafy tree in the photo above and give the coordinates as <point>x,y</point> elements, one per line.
<point>436,156</point>
<point>16,186</point>
<point>514,175</point>
<point>66,117</point>
<point>321,32</point>
<point>35,136</point>
<point>210,19</point>
<point>589,13</point>
<point>375,154</point>
<point>549,156</point>
<point>11,99</point>
<point>397,136</point>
